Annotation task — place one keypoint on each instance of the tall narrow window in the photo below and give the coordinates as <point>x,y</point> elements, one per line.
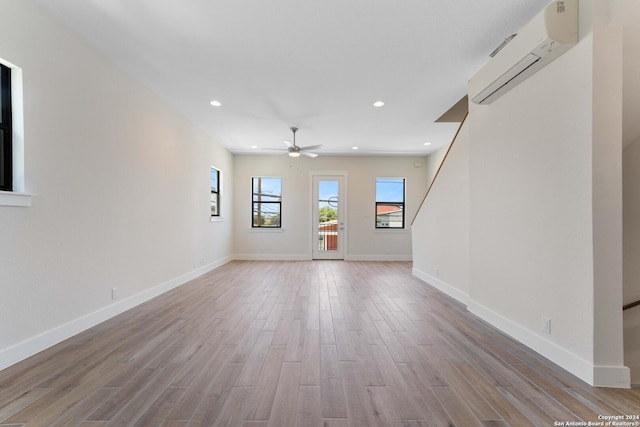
<point>266,201</point>
<point>6,158</point>
<point>215,192</point>
<point>390,202</point>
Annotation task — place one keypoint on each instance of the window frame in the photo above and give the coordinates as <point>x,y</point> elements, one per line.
<point>277,203</point>
<point>391,203</point>
<point>17,196</point>
<point>6,129</point>
<point>217,192</point>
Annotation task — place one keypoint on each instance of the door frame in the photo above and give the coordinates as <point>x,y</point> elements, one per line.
<point>342,209</point>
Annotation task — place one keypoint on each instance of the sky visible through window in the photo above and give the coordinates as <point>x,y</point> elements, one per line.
<point>214,180</point>
<point>267,195</point>
<point>389,189</point>
<point>328,190</point>
<point>270,189</point>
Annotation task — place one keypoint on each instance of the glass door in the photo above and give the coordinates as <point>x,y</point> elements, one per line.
<point>328,223</point>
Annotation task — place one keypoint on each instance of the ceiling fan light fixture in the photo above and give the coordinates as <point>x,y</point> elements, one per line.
<point>294,150</point>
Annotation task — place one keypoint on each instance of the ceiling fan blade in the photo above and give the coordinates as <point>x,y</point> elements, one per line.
<point>308,154</point>
<point>311,147</point>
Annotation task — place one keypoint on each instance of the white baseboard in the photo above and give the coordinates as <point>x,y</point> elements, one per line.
<point>28,348</point>
<point>441,286</point>
<point>273,257</point>
<point>573,363</point>
<point>388,257</point>
<point>308,257</point>
<point>595,375</point>
<point>611,376</point>
<point>600,376</point>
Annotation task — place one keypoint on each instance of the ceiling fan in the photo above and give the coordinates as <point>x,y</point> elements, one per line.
<point>295,150</point>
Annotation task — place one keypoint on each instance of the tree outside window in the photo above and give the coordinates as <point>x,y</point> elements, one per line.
<point>327,213</point>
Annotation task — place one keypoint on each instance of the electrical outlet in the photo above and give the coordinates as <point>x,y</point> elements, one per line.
<point>546,325</point>
<point>114,293</point>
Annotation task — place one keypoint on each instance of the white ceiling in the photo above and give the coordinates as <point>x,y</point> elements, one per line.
<point>315,64</point>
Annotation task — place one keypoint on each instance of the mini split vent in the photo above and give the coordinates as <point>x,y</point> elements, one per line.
<point>550,34</point>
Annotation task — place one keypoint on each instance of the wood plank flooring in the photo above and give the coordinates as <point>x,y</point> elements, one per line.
<point>279,344</point>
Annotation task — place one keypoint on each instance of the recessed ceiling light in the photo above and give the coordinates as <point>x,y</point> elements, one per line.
<point>254,146</point>
<point>215,103</point>
<point>354,148</point>
<point>427,143</point>
<point>378,104</point>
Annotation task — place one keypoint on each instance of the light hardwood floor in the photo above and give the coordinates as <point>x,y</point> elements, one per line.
<point>326,343</point>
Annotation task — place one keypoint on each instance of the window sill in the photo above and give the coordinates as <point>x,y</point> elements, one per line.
<point>217,219</point>
<point>390,230</point>
<point>266,230</point>
<point>10,198</point>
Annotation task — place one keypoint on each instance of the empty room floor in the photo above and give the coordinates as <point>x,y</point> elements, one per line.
<point>311,343</point>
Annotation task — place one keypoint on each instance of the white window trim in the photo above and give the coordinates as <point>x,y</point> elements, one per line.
<point>390,230</point>
<point>11,198</point>
<point>217,218</point>
<point>18,197</point>
<point>268,229</point>
<point>404,227</point>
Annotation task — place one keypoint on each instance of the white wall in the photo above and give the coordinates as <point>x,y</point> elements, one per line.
<point>441,230</point>
<point>120,184</point>
<point>631,186</point>
<point>631,250</point>
<point>294,241</point>
<point>544,211</point>
<point>607,186</point>
<point>631,159</point>
<point>531,238</point>
<point>434,160</point>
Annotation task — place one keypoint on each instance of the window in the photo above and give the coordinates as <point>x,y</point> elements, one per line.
<point>390,202</point>
<point>12,180</point>
<point>267,201</point>
<point>6,157</point>
<point>215,192</point>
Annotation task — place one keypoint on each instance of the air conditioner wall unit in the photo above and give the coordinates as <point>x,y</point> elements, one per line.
<point>547,36</point>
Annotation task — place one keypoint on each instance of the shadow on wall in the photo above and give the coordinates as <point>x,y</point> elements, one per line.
<point>632,343</point>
